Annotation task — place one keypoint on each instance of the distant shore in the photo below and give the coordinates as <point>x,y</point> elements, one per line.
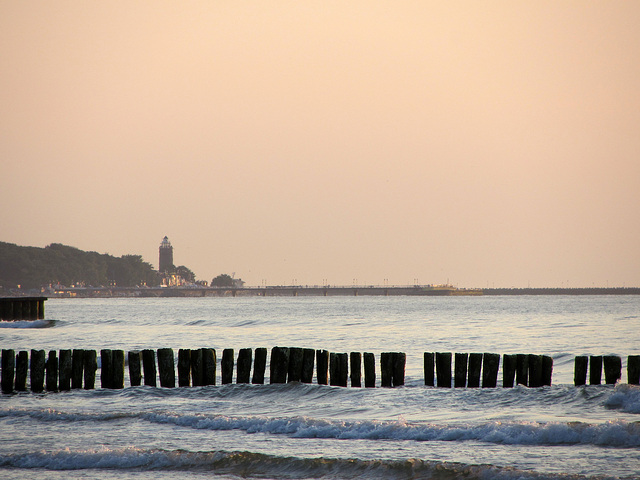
<point>318,291</point>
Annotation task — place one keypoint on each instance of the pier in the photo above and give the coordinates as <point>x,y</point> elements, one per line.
<point>22,308</point>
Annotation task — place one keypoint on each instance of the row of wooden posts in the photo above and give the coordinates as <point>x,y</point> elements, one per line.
<point>71,369</point>
<point>22,308</point>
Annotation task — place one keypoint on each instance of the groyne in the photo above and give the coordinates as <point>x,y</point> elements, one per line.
<point>69,369</point>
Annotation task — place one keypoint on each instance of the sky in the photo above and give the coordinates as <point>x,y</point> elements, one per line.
<point>479,144</point>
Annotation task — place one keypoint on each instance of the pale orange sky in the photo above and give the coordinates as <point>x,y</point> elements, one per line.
<point>479,143</point>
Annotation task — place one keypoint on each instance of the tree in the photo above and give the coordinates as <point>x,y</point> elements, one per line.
<point>186,274</point>
<point>223,280</point>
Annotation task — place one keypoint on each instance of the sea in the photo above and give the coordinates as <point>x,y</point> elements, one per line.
<point>300,431</point>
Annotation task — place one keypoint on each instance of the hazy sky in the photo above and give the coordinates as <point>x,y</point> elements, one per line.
<point>480,143</point>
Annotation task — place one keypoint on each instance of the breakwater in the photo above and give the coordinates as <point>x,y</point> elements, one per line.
<point>68,369</point>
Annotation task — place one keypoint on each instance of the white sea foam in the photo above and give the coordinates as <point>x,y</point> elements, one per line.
<point>248,464</point>
<point>28,324</point>
<point>615,433</point>
<point>625,398</point>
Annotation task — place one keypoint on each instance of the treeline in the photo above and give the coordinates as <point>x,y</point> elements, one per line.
<point>34,267</point>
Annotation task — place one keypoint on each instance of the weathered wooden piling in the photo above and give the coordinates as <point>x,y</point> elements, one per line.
<point>443,369</point>
<point>580,370</point>
<point>8,370</point>
<point>51,371</point>
<point>65,370</point>
<point>385,369</point>
<point>460,370</point>
<point>429,379</point>
<point>595,369</point>
<point>355,358</point>
<point>490,367</point>
<point>184,367</point>
<point>77,367</point>
<point>522,369</point>
<point>90,364</point>
<point>259,366</point>
<point>36,371</point>
<point>295,364</point>
<point>308,358</point>
<point>612,369</point>
<point>105,368</point>
<point>149,367</point>
<point>475,369</point>
<point>117,369</point>
<point>166,368</point>
<point>243,372</point>
<point>22,370</point>
<point>369,370</point>
<point>547,370</point>
<point>135,368</point>
<point>535,370</point>
<point>322,367</point>
<point>209,366</point>
<point>338,369</point>
<point>399,361</point>
<point>508,370</point>
<point>633,369</point>
<point>279,365</point>
<point>197,372</point>
<point>226,366</point>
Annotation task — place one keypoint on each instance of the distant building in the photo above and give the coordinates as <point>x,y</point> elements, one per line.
<point>165,263</point>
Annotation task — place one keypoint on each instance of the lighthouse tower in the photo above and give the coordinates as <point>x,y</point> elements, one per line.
<point>165,256</point>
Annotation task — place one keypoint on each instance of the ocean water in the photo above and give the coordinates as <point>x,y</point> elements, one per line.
<point>295,430</point>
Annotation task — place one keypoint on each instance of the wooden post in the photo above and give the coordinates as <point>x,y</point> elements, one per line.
<point>243,372</point>
<point>369,370</point>
<point>135,368</point>
<point>259,366</point>
<point>22,370</point>
<point>580,370</point>
<point>33,314</point>
<point>65,370</point>
<point>429,379</point>
<point>547,370</point>
<point>535,371</point>
<point>184,367</point>
<point>209,366</point>
<point>51,371</point>
<point>490,367</point>
<point>106,374</point>
<point>166,368</point>
<point>197,372</point>
<point>308,357</point>
<point>41,309</point>
<point>295,364</point>
<point>460,370</point>
<point>508,370</point>
<point>522,369</point>
<point>475,368</point>
<point>90,364</point>
<point>279,365</point>
<point>612,369</point>
<point>117,369</point>
<point>338,368</point>
<point>443,369</point>
<point>77,367</point>
<point>8,370</point>
<point>37,370</point>
<point>399,361</point>
<point>149,367</point>
<point>385,369</point>
<point>322,369</point>
<point>226,366</point>
<point>595,370</point>
<point>633,369</point>
<point>356,369</point>
<point>17,310</point>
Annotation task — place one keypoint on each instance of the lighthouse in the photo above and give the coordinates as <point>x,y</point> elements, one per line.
<point>165,256</point>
